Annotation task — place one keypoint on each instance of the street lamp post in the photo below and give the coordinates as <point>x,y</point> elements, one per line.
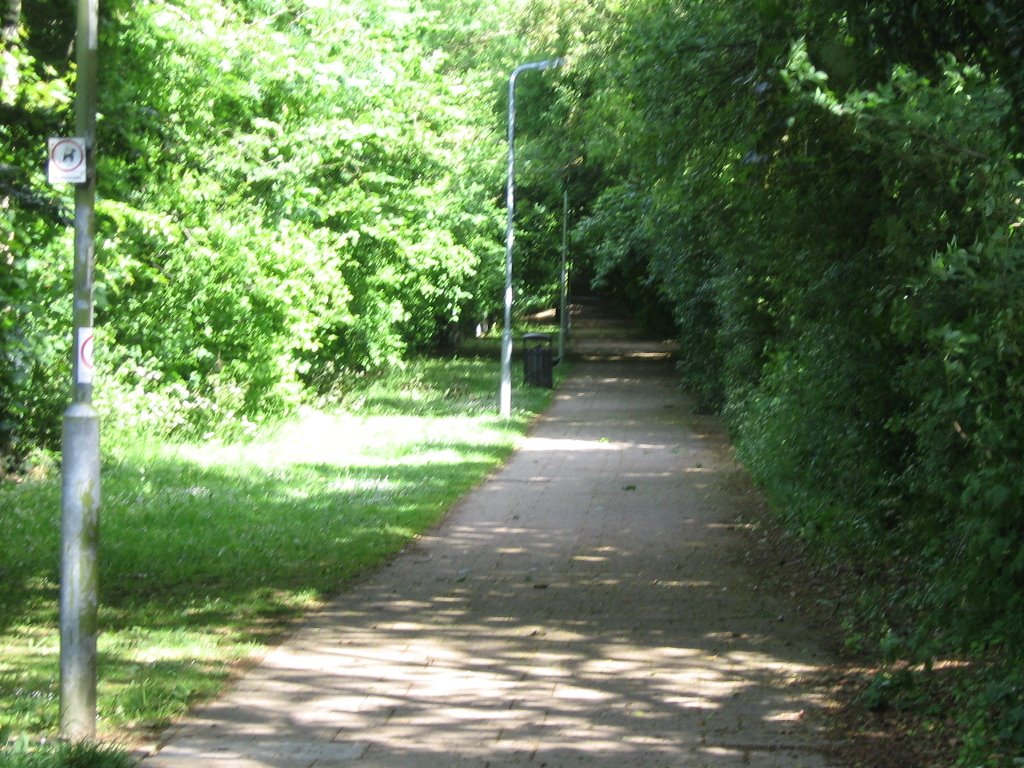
<point>563,282</point>
<point>80,487</point>
<point>506,336</point>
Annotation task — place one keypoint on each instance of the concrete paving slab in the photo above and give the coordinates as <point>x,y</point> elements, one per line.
<point>586,606</point>
<point>219,751</point>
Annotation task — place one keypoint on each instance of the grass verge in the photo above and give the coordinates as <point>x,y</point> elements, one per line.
<point>209,551</point>
<point>65,755</point>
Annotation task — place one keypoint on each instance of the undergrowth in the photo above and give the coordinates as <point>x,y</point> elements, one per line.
<point>64,755</point>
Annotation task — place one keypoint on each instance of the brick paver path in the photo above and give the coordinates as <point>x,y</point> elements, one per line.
<point>584,607</point>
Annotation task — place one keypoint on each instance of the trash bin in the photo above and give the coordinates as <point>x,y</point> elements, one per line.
<point>538,366</point>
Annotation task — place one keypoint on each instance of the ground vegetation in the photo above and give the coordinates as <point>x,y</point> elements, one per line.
<point>821,198</point>
<point>825,198</point>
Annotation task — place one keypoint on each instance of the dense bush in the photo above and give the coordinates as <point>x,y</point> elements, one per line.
<point>289,196</point>
<point>34,102</point>
<point>827,194</point>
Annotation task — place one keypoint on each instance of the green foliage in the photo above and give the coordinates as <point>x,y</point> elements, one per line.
<point>888,689</point>
<point>33,102</point>
<point>288,197</point>
<point>325,212</point>
<point>64,755</point>
<point>827,195</point>
<point>992,718</point>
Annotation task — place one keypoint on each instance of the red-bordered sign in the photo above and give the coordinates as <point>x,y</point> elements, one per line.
<point>66,161</point>
<point>84,346</point>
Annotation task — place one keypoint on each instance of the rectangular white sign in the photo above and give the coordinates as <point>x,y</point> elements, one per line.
<point>67,163</point>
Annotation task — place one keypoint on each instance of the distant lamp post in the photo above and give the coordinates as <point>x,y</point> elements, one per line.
<point>506,336</point>
<point>563,281</point>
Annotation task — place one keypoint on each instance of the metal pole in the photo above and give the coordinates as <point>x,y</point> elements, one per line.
<point>506,336</point>
<point>563,286</point>
<point>80,490</point>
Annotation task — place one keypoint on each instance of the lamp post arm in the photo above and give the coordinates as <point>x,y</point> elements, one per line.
<point>505,395</point>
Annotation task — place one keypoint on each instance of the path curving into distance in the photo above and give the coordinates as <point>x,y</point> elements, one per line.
<point>586,606</point>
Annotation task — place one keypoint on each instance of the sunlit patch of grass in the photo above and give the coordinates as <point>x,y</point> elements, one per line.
<point>149,676</point>
<point>209,551</point>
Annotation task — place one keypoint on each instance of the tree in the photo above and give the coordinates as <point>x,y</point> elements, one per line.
<point>826,194</point>
<point>33,103</point>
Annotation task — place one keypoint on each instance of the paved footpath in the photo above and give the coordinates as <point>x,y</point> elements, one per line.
<point>586,606</point>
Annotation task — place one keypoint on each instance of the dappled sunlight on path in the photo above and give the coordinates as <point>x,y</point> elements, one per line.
<point>583,607</point>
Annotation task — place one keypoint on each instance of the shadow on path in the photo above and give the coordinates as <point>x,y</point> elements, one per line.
<point>584,607</point>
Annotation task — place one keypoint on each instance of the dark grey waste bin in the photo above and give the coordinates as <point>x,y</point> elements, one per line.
<point>538,366</point>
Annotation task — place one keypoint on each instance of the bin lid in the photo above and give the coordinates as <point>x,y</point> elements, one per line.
<point>536,337</point>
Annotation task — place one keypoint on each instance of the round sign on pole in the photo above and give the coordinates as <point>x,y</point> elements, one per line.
<point>66,161</point>
<point>84,350</point>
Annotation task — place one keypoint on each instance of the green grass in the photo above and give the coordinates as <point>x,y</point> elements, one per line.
<point>64,755</point>
<point>209,550</point>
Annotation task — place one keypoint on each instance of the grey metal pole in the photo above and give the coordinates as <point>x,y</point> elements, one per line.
<point>563,284</point>
<point>505,395</point>
<point>80,488</point>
